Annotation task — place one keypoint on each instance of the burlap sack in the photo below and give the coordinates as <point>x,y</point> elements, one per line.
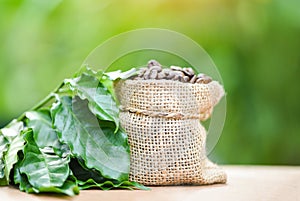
<point>167,140</point>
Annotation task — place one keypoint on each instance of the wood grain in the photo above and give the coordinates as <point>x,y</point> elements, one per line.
<point>244,183</point>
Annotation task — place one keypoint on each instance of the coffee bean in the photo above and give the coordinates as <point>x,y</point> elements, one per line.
<point>179,73</point>
<point>204,80</point>
<point>153,63</point>
<point>193,79</point>
<point>186,78</point>
<point>208,79</point>
<point>166,71</point>
<point>153,74</point>
<point>191,71</point>
<point>176,77</point>
<point>157,68</point>
<point>142,71</point>
<point>187,74</point>
<point>200,75</point>
<point>147,74</point>
<point>161,76</point>
<point>176,68</point>
<point>188,71</point>
<point>170,75</point>
<point>200,80</point>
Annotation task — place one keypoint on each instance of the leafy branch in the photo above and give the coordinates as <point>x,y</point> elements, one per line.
<point>77,121</point>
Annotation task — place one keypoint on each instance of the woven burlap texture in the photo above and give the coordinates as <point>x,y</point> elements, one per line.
<point>167,140</point>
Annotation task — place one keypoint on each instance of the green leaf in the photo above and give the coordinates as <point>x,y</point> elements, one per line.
<point>22,180</point>
<point>13,129</point>
<point>82,173</point>
<point>69,187</point>
<point>11,142</point>
<point>11,156</point>
<point>119,138</point>
<point>3,149</point>
<point>101,102</point>
<point>41,123</point>
<point>87,70</point>
<point>107,185</point>
<point>79,128</point>
<point>109,85</point>
<point>108,79</point>
<point>91,178</point>
<point>3,182</point>
<point>43,167</point>
<point>121,75</point>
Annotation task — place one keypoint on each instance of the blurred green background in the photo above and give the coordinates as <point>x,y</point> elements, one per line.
<point>255,44</point>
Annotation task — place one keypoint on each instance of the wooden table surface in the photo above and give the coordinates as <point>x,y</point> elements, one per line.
<point>244,183</point>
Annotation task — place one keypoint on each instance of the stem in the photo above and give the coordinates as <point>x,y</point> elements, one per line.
<point>42,102</point>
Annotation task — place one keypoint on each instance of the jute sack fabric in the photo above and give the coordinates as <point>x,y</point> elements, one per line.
<point>167,140</point>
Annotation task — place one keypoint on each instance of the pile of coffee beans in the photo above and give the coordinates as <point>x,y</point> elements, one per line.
<point>155,71</point>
